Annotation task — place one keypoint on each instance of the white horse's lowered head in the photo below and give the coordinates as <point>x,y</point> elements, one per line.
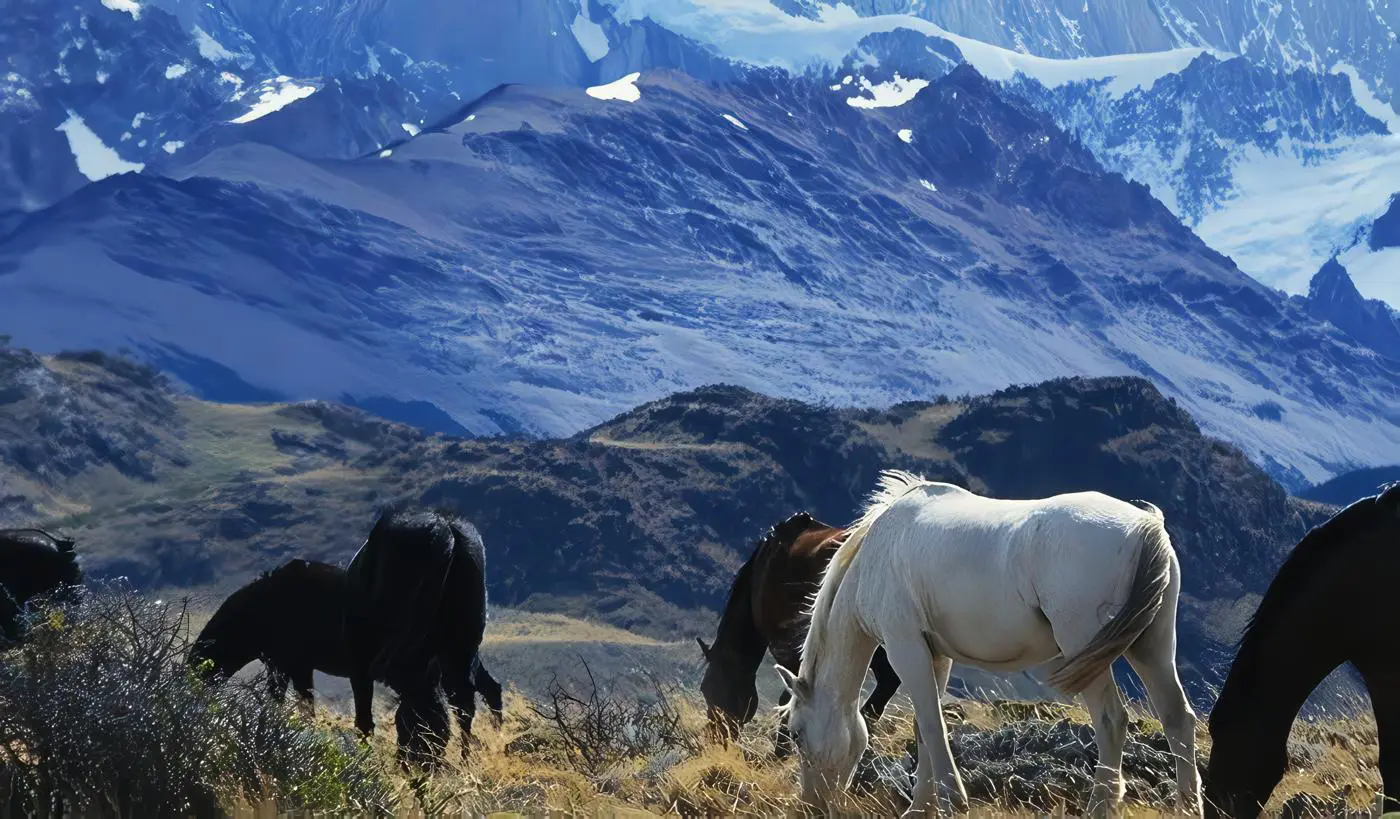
<point>940,575</point>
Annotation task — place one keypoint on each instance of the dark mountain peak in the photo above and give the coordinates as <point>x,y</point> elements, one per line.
<point>1333,297</point>
<point>1332,284</point>
<point>1137,402</point>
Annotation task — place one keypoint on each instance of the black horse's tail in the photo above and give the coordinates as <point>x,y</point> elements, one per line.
<point>399,576</point>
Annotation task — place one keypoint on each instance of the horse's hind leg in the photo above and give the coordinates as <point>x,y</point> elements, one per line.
<point>936,777</point>
<point>489,689</point>
<point>1153,657</point>
<point>1105,704</point>
<point>461,695</point>
<point>886,683</point>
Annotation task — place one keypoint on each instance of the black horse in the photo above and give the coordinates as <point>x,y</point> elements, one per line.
<point>416,617</point>
<point>32,563</point>
<point>292,620</point>
<point>1329,604</point>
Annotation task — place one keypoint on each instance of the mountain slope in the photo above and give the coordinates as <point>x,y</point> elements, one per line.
<point>611,251</point>
<point>640,521</point>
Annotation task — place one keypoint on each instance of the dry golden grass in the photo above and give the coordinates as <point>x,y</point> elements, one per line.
<point>521,768</point>
<point>509,626</point>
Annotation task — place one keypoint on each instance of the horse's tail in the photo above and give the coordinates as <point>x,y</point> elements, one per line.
<point>1151,578</point>
<point>894,484</point>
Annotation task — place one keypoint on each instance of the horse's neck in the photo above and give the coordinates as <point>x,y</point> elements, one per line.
<point>844,651</point>
<point>738,631</point>
<point>1285,665</point>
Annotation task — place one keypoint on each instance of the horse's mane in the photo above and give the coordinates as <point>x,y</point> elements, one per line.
<point>777,535</point>
<point>893,485</point>
<point>1318,545</point>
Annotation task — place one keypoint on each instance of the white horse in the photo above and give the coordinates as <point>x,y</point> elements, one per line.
<point>941,575</point>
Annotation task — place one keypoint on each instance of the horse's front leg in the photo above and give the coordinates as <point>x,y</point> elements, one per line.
<point>782,740</point>
<point>362,684</point>
<point>1105,704</point>
<point>886,684</point>
<point>277,682</point>
<point>1385,702</point>
<point>936,777</point>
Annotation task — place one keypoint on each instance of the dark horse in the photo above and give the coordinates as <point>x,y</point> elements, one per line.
<point>416,616</point>
<point>1329,604</point>
<point>767,611</point>
<point>32,562</point>
<point>292,619</point>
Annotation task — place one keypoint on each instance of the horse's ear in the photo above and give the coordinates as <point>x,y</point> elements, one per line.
<point>704,649</point>
<point>1390,497</point>
<point>793,683</point>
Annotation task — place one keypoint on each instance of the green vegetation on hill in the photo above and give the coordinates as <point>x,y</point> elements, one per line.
<point>639,523</point>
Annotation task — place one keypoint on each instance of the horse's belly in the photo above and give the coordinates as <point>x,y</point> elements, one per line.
<point>996,635</point>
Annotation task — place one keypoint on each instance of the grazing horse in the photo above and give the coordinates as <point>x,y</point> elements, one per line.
<point>416,616</point>
<point>941,575</point>
<point>1329,604</point>
<point>32,562</point>
<point>292,620</point>
<point>767,611</point>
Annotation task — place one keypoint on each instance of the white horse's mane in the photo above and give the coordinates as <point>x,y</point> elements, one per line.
<point>893,484</point>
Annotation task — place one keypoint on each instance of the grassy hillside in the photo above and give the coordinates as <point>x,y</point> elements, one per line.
<point>639,523</point>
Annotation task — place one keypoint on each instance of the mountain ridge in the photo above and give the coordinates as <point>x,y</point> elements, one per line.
<point>725,246</point>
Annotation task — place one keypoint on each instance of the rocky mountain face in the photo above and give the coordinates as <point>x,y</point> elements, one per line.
<point>1188,134</point>
<point>613,250</point>
<point>640,521</point>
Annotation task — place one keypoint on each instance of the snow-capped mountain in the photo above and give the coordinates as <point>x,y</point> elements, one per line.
<point>1279,170</point>
<point>1317,35</point>
<point>1278,159</point>
<point>559,254</point>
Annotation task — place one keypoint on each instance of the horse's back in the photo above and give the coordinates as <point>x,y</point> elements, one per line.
<point>989,575</point>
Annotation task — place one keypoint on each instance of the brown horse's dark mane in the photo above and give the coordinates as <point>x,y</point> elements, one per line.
<point>739,591</point>
<point>1322,543</point>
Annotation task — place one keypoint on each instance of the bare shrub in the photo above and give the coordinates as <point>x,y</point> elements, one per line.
<point>598,729</point>
<point>99,711</point>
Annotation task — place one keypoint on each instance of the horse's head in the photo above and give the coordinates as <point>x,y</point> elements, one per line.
<point>731,695</point>
<point>1244,769</point>
<point>222,647</point>
<point>829,736</point>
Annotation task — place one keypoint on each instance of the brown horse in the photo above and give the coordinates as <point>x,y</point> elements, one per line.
<point>1329,604</point>
<point>767,611</point>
